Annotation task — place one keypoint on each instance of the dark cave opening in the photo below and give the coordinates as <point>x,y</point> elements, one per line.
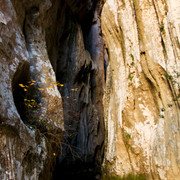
<point>19,83</point>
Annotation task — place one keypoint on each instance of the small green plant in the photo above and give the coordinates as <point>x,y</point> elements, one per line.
<point>132,64</point>
<point>162,109</point>
<point>174,99</point>
<point>161,116</point>
<point>130,76</point>
<point>127,135</point>
<point>132,56</point>
<point>168,76</point>
<point>162,28</point>
<point>169,105</point>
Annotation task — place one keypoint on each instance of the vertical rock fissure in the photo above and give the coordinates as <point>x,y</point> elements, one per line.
<point>80,70</point>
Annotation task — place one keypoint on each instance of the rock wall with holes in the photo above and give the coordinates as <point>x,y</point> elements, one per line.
<point>141,101</point>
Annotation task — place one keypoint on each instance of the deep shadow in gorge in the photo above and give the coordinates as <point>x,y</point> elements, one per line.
<point>75,48</point>
<point>77,171</point>
<point>73,39</point>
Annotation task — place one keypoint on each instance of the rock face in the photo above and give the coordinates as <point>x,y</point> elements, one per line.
<point>66,93</point>
<point>141,101</point>
<point>79,67</point>
<point>25,119</point>
<point>52,78</point>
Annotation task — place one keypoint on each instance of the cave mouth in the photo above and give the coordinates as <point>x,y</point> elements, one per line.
<point>19,83</point>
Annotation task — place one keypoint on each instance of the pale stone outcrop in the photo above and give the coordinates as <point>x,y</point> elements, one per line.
<point>141,101</point>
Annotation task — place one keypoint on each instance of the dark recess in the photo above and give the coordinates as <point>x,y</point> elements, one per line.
<point>21,76</point>
<point>80,171</point>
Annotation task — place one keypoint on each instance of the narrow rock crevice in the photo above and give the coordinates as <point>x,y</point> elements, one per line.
<point>79,70</point>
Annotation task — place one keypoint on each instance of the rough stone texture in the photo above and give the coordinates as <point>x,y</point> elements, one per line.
<point>79,67</point>
<point>138,66</point>
<point>141,101</point>
<point>41,70</point>
<point>23,151</point>
<point>40,42</point>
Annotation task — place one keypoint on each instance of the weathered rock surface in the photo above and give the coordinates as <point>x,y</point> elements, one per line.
<point>40,42</point>
<point>57,74</point>
<point>23,58</point>
<point>80,68</point>
<point>141,101</point>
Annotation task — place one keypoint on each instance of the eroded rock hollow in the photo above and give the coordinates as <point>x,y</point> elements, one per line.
<point>89,89</point>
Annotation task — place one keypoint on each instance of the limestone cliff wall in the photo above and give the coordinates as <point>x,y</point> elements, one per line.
<point>141,101</point>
